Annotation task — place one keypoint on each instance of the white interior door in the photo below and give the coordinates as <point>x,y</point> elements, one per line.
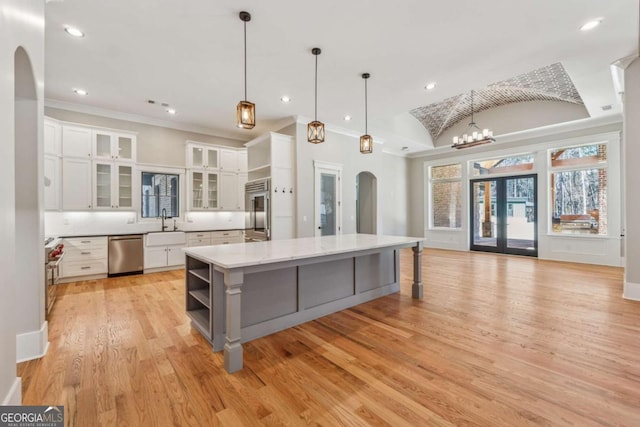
<point>328,198</point>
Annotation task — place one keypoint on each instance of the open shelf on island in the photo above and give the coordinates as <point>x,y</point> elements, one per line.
<point>202,295</point>
<point>200,319</point>
<point>201,273</point>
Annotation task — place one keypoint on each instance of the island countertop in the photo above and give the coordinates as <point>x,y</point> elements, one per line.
<point>246,254</point>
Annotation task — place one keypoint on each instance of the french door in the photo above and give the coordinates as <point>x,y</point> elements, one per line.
<point>504,215</point>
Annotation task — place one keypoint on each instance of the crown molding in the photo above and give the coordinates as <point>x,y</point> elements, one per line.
<point>136,118</point>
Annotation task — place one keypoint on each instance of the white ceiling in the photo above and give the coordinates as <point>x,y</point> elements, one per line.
<point>189,54</point>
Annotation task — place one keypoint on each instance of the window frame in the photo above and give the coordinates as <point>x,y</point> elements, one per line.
<point>551,170</point>
<point>431,181</point>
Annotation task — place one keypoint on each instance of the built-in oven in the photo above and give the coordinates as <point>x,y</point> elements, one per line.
<point>257,226</point>
<point>53,254</point>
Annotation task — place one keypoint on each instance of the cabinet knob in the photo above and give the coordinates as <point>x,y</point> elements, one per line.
<point>291,190</point>
<point>283,189</point>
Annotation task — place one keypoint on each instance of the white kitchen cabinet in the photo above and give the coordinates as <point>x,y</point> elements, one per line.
<point>242,161</point>
<point>52,135</point>
<point>84,256</point>
<point>76,141</point>
<point>163,256</point>
<point>229,191</point>
<point>242,180</point>
<point>113,145</point>
<point>51,182</point>
<point>112,185</point>
<point>203,188</point>
<point>201,156</point>
<point>228,161</point>
<point>76,184</point>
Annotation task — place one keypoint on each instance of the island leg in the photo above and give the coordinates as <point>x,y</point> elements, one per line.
<point>416,288</point>
<point>232,348</point>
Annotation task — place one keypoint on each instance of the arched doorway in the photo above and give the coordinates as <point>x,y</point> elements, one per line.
<point>29,252</point>
<point>366,203</point>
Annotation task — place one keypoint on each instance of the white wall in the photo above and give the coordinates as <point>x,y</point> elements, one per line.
<point>632,184</point>
<point>595,249</point>
<point>515,117</point>
<point>21,24</point>
<point>155,145</point>
<point>390,171</point>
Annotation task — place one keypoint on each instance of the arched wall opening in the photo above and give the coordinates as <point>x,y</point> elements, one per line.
<point>366,203</point>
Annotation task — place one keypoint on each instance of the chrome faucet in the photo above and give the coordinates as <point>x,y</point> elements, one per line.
<point>164,216</point>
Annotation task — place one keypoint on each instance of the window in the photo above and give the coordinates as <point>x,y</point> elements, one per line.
<point>446,196</point>
<point>513,165</point>
<point>579,189</point>
<point>160,191</point>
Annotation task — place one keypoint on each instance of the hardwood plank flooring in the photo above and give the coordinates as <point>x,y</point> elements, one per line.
<point>496,341</point>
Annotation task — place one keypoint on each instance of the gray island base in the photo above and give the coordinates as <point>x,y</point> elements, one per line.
<point>239,292</point>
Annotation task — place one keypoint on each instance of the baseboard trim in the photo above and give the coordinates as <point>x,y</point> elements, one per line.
<point>14,397</point>
<point>32,345</point>
<point>631,291</point>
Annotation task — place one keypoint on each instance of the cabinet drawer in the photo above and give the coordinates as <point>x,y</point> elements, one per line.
<point>83,268</point>
<point>199,235</point>
<point>80,254</point>
<point>198,242</point>
<point>81,243</point>
<point>227,240</point>
<point>226,234</point>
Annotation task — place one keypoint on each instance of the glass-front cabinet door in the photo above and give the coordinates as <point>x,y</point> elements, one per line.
<point>125,184</point>
<point>197,189</point>
<point>125,148</point>
<point>203,157</point>
<point>102,145</point>
<point>212,190</point>
<point>102,185</point>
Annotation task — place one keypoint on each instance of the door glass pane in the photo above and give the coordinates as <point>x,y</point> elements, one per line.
<point>103,145</point>
<point>485,227</point>
<point>125,147</point>
<point>521,208</point>
<point>103,185</point>
<point>196,157</point>
<point>212,158</point>
<point>212,189</point>
<point>196,185</point>
<point>328,204</point>
<point>124,187</point>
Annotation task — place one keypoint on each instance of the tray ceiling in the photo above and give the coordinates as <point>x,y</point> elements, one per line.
<point>550,83</point>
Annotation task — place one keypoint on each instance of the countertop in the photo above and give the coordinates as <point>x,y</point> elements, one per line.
<point>242,255</point>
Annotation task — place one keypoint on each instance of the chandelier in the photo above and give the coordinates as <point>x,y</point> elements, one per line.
<point>473,135</point>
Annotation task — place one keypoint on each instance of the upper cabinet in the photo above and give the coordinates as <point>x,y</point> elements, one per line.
<point>113,145</point>
<point>52,137</point>
<point>200,156</point>
<point>76,141</point>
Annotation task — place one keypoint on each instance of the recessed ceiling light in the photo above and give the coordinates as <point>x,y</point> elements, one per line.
<point>347,118</point>
<point>430,86</point>
<point>73,31</point>
<point>81,92</point>
<point>285,99</point>
<point>591,24</point>
<point>171,110</point>
<point>405,148</point>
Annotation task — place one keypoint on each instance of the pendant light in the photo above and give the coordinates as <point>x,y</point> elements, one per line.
<point>315,129</point>
<point>366,140</point>
<point>246,111</point>
<point>474,135</point>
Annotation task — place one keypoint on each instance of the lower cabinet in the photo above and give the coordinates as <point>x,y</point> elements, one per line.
<point>207,238</point>
<point>84,256</point>
<point>163,256</point>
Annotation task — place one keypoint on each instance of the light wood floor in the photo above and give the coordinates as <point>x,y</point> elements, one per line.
<point>497,341</point>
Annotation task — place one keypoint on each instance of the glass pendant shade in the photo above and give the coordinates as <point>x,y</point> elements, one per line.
<point>315,132</point>
<point>366,144</point>
<point>246,115</point>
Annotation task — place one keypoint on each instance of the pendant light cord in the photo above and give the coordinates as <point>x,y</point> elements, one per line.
<point>366,131</point>
<point>245,61</point>
<point>316,107</point>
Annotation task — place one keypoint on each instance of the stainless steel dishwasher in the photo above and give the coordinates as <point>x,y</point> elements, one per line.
<point>126,254</point>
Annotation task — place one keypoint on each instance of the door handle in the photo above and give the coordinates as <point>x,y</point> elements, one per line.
<point>319,228</point>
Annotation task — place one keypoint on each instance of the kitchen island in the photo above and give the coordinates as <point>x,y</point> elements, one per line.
<point>239,292</point>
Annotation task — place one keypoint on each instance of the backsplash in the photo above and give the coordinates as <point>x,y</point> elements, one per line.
<point>105,223</point>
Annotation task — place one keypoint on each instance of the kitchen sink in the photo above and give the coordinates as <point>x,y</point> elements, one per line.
<point>166,238</point>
